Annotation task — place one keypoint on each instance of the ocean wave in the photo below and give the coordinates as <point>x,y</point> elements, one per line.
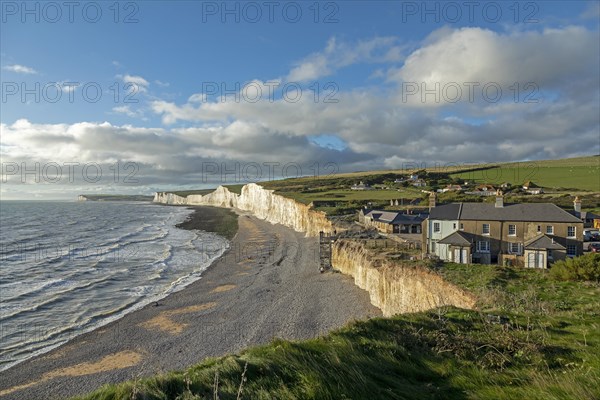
<point>141,258</point>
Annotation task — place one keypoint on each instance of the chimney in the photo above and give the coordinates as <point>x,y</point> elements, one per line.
<point>432,200</point>
<point>577,204</point>
<point>499,199</point>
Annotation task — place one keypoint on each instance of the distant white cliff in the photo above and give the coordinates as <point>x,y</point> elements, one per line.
<point>262,203</point>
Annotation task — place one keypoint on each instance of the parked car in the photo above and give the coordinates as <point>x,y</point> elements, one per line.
<point>591,235</point>
<point>594,247</point>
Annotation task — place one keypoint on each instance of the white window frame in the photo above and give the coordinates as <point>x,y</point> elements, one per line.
<point>483,246</point>
<point>549,229</point>
<point>514,227</point>
<point>483,229</point>
<point>518,251</point>
<point>574,252</point>
<point>539,229</point>
<point>437,227</point>
<point>574,231</point>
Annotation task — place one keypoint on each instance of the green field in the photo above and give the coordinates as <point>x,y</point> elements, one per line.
<point>352,195</point>
<point>534,338</point>
<point>570,174</point>
<point>184,193</point>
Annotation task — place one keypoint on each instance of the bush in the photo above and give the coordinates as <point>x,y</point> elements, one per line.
<point>583,268</point>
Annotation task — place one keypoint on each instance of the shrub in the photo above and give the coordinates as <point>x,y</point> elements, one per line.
<point>583,268</point>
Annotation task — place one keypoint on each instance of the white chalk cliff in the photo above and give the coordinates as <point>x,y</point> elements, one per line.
<point>262,203</point>
<point>392,288</point>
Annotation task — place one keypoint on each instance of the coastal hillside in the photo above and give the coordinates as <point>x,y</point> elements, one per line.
<point>533,337</point>
<point>394,286</point>
<point>262,203</point>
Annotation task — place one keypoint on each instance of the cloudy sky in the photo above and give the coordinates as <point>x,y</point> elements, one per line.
<point>148,95</point>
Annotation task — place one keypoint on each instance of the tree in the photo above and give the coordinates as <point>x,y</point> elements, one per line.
<point>583,268</point>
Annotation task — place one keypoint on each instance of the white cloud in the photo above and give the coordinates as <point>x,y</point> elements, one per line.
<point>128,111</point>
<point>162,84</point>
<point>139,83</point>
<point>338,54</point>
<point>553,59</point>
<point>374,123</point>
<point>20,69</point>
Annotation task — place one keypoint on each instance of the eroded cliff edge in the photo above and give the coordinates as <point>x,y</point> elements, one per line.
<point>394,288</point>
<point>262,203</point>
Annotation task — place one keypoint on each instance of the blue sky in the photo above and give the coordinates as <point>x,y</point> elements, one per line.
<point>370,62</point>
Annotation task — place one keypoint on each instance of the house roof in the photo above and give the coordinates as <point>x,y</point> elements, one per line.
<point>585,215</point>
<point>534,212</point>
<point>395,217</point>
<point>457,238</point>
<point>487,188</point>
<point>543,242</point>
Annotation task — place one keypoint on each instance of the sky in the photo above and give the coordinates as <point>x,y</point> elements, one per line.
<point>144,96</point>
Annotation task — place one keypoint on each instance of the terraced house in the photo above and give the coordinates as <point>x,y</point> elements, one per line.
<point>530,235</point>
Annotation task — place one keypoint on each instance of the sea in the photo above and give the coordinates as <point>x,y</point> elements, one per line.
<point>67,268</point>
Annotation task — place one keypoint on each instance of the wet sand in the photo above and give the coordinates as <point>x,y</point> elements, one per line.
<point>266,285</point>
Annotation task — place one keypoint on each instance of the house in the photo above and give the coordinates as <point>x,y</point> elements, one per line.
<point>589,219</point>
<point>419,183</point>
<point>529,185</point>
<point>391,221</point>
<point>452,188</point>
<point>531,235</point>
<point>536,190</point>
<point>483,190</point>
<point>505,185</point>
<point>532,188</point>
<point>361,186</point>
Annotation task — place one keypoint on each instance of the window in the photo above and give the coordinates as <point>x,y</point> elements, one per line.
<point>550,255</point>
<point>539,229</point>
<point>483,247</point>
<point>571,231</point>
<point>515,248</point>
<point>512,230</point>
<point>486,229</point>
<point>454,226</point>
<point>571,250</point>
<point>436,226</point>
<point>549,230</point>
<point>462,226</point>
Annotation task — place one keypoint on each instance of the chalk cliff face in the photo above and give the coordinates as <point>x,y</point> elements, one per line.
<point>392,288</point>
<point>396,289</point>
<point>260,202</point>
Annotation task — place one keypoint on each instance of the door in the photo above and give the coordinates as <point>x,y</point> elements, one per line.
<point>536,259</point>
<point>460,256</point>
<point>464,256</point>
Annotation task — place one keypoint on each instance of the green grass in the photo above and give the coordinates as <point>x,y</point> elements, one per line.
<point>548,349</point>
<point>184,193</point>
<point>347,195</point>
<point>571,174</point>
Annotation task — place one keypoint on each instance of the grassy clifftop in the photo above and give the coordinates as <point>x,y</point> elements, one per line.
<point>532,338</point>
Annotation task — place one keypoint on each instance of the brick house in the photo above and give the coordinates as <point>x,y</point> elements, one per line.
<point>391,221</point>
<point>530,235</point>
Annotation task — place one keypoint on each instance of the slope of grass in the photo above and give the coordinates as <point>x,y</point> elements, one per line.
<point>533,338</point>
<point>575,173</point>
